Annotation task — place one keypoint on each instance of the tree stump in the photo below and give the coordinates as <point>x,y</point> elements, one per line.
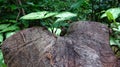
<point>85,45</point>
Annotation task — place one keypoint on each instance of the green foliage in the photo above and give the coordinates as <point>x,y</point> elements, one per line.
<point>1,37</point>
<point>3,26</point>
<point>38,15</point>
<point>56,30</point>
<point>10,28</point>
<point>64,16</point>
<point>112,14</point>
<point>53,25</point>
<point>2,64</point>
<point>114,11</point>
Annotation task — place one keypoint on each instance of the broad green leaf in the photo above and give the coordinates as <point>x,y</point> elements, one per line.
<point>3,26</point>
<point>1,37</point>
<point>109,16</point>
<point>35,15</point>
<point>112,41</point>
<point>9,34</point>
<point>65,15</point>
<point>114,11</point>
<point>10,28</point>
<point>38,15</point>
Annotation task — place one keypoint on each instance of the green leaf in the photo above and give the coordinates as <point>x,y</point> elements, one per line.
<point>1,60</point>
<point>1,37</point>
<point>10,28</point>
<point>117,29</point>
<point>35,15</point>
<point>3,26</point>
<point>1,56</point>
<point>109,16</point>
<point>38,15</point>
<point>65,15</point>
<point>112,41</point>
<point>9,34</point>
<point>114,11</point>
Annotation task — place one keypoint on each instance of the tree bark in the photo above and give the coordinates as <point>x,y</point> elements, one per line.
<point>85,45</point>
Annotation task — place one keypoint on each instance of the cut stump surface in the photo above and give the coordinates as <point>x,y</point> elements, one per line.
<point>85,45</point>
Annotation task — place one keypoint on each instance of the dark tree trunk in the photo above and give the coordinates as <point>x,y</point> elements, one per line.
<point>85,45</point>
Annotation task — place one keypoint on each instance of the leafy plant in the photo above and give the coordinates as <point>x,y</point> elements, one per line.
<point>53,25</point>
<point>2,64</point>
<point>112,14</point>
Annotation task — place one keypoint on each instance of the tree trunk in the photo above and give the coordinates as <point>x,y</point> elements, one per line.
<point>85,45</point>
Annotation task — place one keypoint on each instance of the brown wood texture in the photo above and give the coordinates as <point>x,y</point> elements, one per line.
<point>85,45</point>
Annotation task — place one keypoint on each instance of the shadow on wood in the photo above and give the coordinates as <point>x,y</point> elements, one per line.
<point>85,45</point>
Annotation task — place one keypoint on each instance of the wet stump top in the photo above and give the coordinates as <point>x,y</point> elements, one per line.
<point>85,45</point>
